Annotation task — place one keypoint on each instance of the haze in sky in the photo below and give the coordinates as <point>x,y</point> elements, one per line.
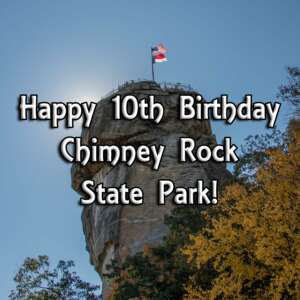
<point>80,50</point>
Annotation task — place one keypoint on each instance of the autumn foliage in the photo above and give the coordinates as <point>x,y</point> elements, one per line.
<point>247,247</point>
<point>255,245</point>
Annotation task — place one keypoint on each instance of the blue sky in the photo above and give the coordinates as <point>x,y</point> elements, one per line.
<point>78,50</point>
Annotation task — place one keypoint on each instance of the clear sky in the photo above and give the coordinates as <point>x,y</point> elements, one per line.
<point>77,50</point>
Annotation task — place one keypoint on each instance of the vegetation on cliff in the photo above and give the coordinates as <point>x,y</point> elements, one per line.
<point>247,247</point>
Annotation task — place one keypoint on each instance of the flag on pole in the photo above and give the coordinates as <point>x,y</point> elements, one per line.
<point>159,53</point>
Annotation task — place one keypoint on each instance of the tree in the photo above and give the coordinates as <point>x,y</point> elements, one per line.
<point>36,281</point>
<point>247,247</point>
<point>254,153</point>
<point>159,272</point>
<point>290,92</point>
<point>254,246</point>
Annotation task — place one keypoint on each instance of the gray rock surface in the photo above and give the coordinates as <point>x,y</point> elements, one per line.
<point>117,231</point>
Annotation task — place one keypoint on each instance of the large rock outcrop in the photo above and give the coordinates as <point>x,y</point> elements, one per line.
<point>117,231</point>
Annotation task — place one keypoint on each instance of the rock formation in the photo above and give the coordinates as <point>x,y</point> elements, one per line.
<point>118,231</point>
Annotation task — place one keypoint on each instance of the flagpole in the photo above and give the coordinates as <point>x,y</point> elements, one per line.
<point>152,65</point>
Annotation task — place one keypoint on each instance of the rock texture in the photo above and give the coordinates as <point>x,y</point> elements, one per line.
<point>117,231</point>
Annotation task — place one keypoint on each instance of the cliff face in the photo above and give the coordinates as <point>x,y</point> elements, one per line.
<point>117,231</point>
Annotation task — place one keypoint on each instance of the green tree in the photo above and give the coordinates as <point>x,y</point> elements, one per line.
<point>36,281</point>
<point>290,91</point>
<point>254,153</point>
<point>159,272</point>
<point>255,149</point>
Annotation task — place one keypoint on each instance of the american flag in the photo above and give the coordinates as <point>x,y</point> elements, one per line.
<point>159,53</point>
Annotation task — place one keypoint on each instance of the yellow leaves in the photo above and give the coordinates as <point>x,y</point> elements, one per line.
<point>255,245</point>
<point>195,294</point>
<point>147,250</point>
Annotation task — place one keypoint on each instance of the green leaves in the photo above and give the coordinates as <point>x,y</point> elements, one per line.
<point>36,281</point>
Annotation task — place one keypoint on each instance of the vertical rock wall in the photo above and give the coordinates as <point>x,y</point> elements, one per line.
<point>117,231</point>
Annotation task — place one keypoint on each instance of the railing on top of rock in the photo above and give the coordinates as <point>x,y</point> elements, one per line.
<point>163,85</point>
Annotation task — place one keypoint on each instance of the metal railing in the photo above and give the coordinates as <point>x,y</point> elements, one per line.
<point>163,85</point>
<point>176,86</point>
